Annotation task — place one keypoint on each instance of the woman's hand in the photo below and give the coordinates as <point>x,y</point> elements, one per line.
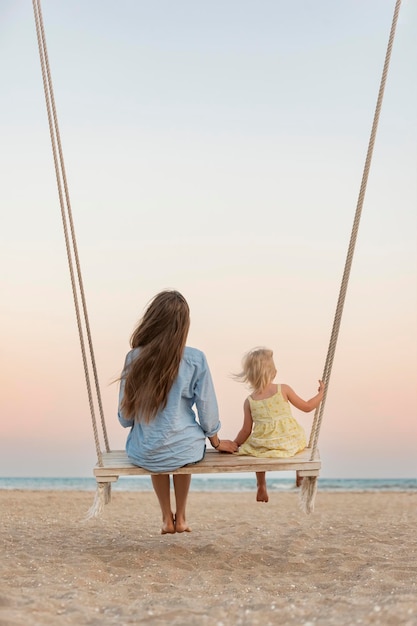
<point>227,446</point>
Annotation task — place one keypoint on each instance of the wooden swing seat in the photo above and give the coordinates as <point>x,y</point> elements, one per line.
<point>116,463</point>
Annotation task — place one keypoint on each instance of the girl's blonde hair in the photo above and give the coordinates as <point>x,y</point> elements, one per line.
<point>161,335</point>
<point>258,368</point>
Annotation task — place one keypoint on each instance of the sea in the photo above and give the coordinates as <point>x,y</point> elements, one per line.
<point>231,483</point>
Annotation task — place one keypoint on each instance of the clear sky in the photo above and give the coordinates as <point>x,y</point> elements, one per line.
<point>216,148</point>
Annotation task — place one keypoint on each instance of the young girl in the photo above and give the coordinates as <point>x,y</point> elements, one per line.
<point>269,429</point>
<point>162,380</point>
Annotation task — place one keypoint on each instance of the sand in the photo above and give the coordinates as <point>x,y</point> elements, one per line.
<point>353,561</point>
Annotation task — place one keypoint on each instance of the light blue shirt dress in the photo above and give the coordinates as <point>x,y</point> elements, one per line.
<point>177,435</point>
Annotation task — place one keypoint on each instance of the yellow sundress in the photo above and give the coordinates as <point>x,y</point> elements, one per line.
<point>275,432</point>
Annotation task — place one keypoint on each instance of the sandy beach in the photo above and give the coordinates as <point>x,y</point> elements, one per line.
<point>245,563</point>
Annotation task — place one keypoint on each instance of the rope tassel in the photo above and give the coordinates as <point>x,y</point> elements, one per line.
<point>101,498</point>
<point>308,494</point>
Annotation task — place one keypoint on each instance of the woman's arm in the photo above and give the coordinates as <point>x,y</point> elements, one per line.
<point>303,405</point>
<point>222,445</point>
<point>246,429</point>
<point>126,423</point>
<point>207,409</point>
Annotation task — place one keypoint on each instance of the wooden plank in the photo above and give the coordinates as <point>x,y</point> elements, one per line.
<point>116,463</point>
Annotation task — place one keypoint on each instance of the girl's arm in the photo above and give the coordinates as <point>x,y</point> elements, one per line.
<point>304,405</point>
<point>246,429</point>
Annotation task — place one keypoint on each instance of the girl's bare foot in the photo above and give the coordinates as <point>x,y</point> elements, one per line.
<point>168,527</point>
<point>181,526</point>
<point>262,494</point>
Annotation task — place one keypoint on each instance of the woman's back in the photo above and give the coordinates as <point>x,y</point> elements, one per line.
<point>174,437</point>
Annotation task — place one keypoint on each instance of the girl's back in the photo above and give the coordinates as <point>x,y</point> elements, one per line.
<point>275,432</point>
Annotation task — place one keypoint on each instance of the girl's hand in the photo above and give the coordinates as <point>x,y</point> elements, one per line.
<point>321,387</point>
<point>227,446</point>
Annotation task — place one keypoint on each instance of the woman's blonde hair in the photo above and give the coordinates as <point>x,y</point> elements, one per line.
<point>161,335</point>
<point>258,368</point>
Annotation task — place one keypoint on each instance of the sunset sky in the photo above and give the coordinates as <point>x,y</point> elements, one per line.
<point>216,148</point>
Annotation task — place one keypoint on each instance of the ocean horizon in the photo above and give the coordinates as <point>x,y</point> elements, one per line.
<point>224,483</point>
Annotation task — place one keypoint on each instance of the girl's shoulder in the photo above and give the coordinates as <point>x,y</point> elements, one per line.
<point>284,389</point>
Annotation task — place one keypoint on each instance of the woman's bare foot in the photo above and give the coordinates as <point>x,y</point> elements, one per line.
<point>181,526</point>
<point>262,494</point>
<point>168,527</point>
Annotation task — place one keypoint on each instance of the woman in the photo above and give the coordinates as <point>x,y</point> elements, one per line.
<point>163,380</point>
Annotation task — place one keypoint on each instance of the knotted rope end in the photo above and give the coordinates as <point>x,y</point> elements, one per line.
<point>308,492</point>
<point>101,498</point>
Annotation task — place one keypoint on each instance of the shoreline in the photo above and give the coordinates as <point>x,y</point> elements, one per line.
<point>354,560</point>
<point>271,490</point>
<point>229,483</point>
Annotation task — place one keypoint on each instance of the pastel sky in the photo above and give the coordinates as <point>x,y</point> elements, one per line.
<point>216,148</point>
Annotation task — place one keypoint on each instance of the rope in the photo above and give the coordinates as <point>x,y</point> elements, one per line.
<point>318,416</point>
<point>72,251</point>
<point>70,242</point>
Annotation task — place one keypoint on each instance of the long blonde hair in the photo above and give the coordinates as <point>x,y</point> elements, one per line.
<point>258,368</point>
<point>161,335</point>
